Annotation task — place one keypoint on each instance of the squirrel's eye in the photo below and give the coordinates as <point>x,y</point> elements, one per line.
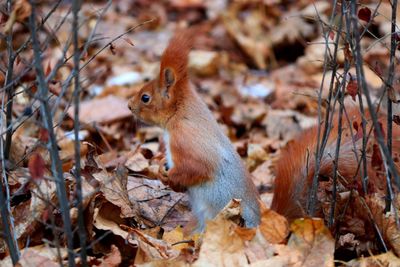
<point>145,98</point>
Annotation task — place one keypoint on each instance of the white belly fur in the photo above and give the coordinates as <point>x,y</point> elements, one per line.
<point>168,150</point>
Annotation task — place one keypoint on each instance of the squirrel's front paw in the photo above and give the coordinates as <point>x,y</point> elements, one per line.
<point>176,187</point>
<point>163,177</point>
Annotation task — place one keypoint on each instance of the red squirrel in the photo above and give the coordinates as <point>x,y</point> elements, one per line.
<point>200,157</point>
<point>296,167</point>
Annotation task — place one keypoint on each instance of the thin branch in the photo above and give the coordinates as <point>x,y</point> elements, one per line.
<point>360,71</point>
<point>5,209</point>
<point>364,169</point>
<point>76,5</point>
<point>53,149</point>
<point>10,90</point>
<point>312,198</point>
<point>341,91</point>
<point>390,91</point>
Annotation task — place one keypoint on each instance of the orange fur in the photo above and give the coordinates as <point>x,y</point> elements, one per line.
<point>195,160</point>
<point>294,178</point>
<point>175,57</point>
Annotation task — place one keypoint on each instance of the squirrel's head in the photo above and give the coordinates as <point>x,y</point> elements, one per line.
<point>157,101</point>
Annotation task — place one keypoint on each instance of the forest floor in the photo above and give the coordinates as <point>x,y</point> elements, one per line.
<point>259,66</point>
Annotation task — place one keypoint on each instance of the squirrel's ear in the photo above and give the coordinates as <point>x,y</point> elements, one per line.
<point>169,80</point>
<point>169,77</point>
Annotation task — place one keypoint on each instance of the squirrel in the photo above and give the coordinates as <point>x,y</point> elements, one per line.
<point>295,168</point>
<point>200,158</point>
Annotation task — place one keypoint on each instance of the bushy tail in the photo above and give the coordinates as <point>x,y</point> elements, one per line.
<point>296,167</point>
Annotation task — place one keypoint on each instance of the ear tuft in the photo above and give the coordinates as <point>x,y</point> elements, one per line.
<point>173,67</point>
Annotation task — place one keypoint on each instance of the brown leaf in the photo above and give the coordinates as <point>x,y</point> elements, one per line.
<point>376,158</point>
<point>385,221</point>
<point>273,226</point>
<point>106,217</point>
<point>378,69</point>
<point>44,135</point>
<point>36,166</point>
<point>103,110</point>
<point>48,69</point>
<point>314,241</point>
<point>347,52</point>
<point>137,162</point>
<point>250,40</point>
<point>352,88</point>
<point>396,119</point>
<point>150,248</point>
<point>37,256</point>
<point>114,188</point>
<point>386,259</point>
<point>21,10</point>
<point>28,215</point>
<point>364,14</point>
<point>113,259</point>
<point>222,245</point>
<point>158,204</point>
<point>175,236</point>
<point>263,174</point>
<point>359,132</point>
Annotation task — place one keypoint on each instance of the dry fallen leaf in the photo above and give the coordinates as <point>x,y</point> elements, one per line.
<point>222,245</point>
<point>104,110</point>
<point>113,259</point>
<point>36,166</point>
<point>204,63</point>
<point>273,226</point>
<point>175,236</point>
<point>385,221</point>
<point>314,241</point>
<point>150,248</point>
<point>21,10</point>
<point>114,187</point>
<point>37,256</point>
<point>251,38</point>
<point>387,259</point>
<point>158,204</point>
<point>137,162</point>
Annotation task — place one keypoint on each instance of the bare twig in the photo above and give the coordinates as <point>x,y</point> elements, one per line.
<point>10,90</point>
<point>5,210</point>
<point>48,122</point>
<point>363,86</point>
<point>43,21</point>
<point>364,169</point>
<point>312,198</point>
<point>389,91</point>
<point>341,91</point>
<point>76,4</point>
